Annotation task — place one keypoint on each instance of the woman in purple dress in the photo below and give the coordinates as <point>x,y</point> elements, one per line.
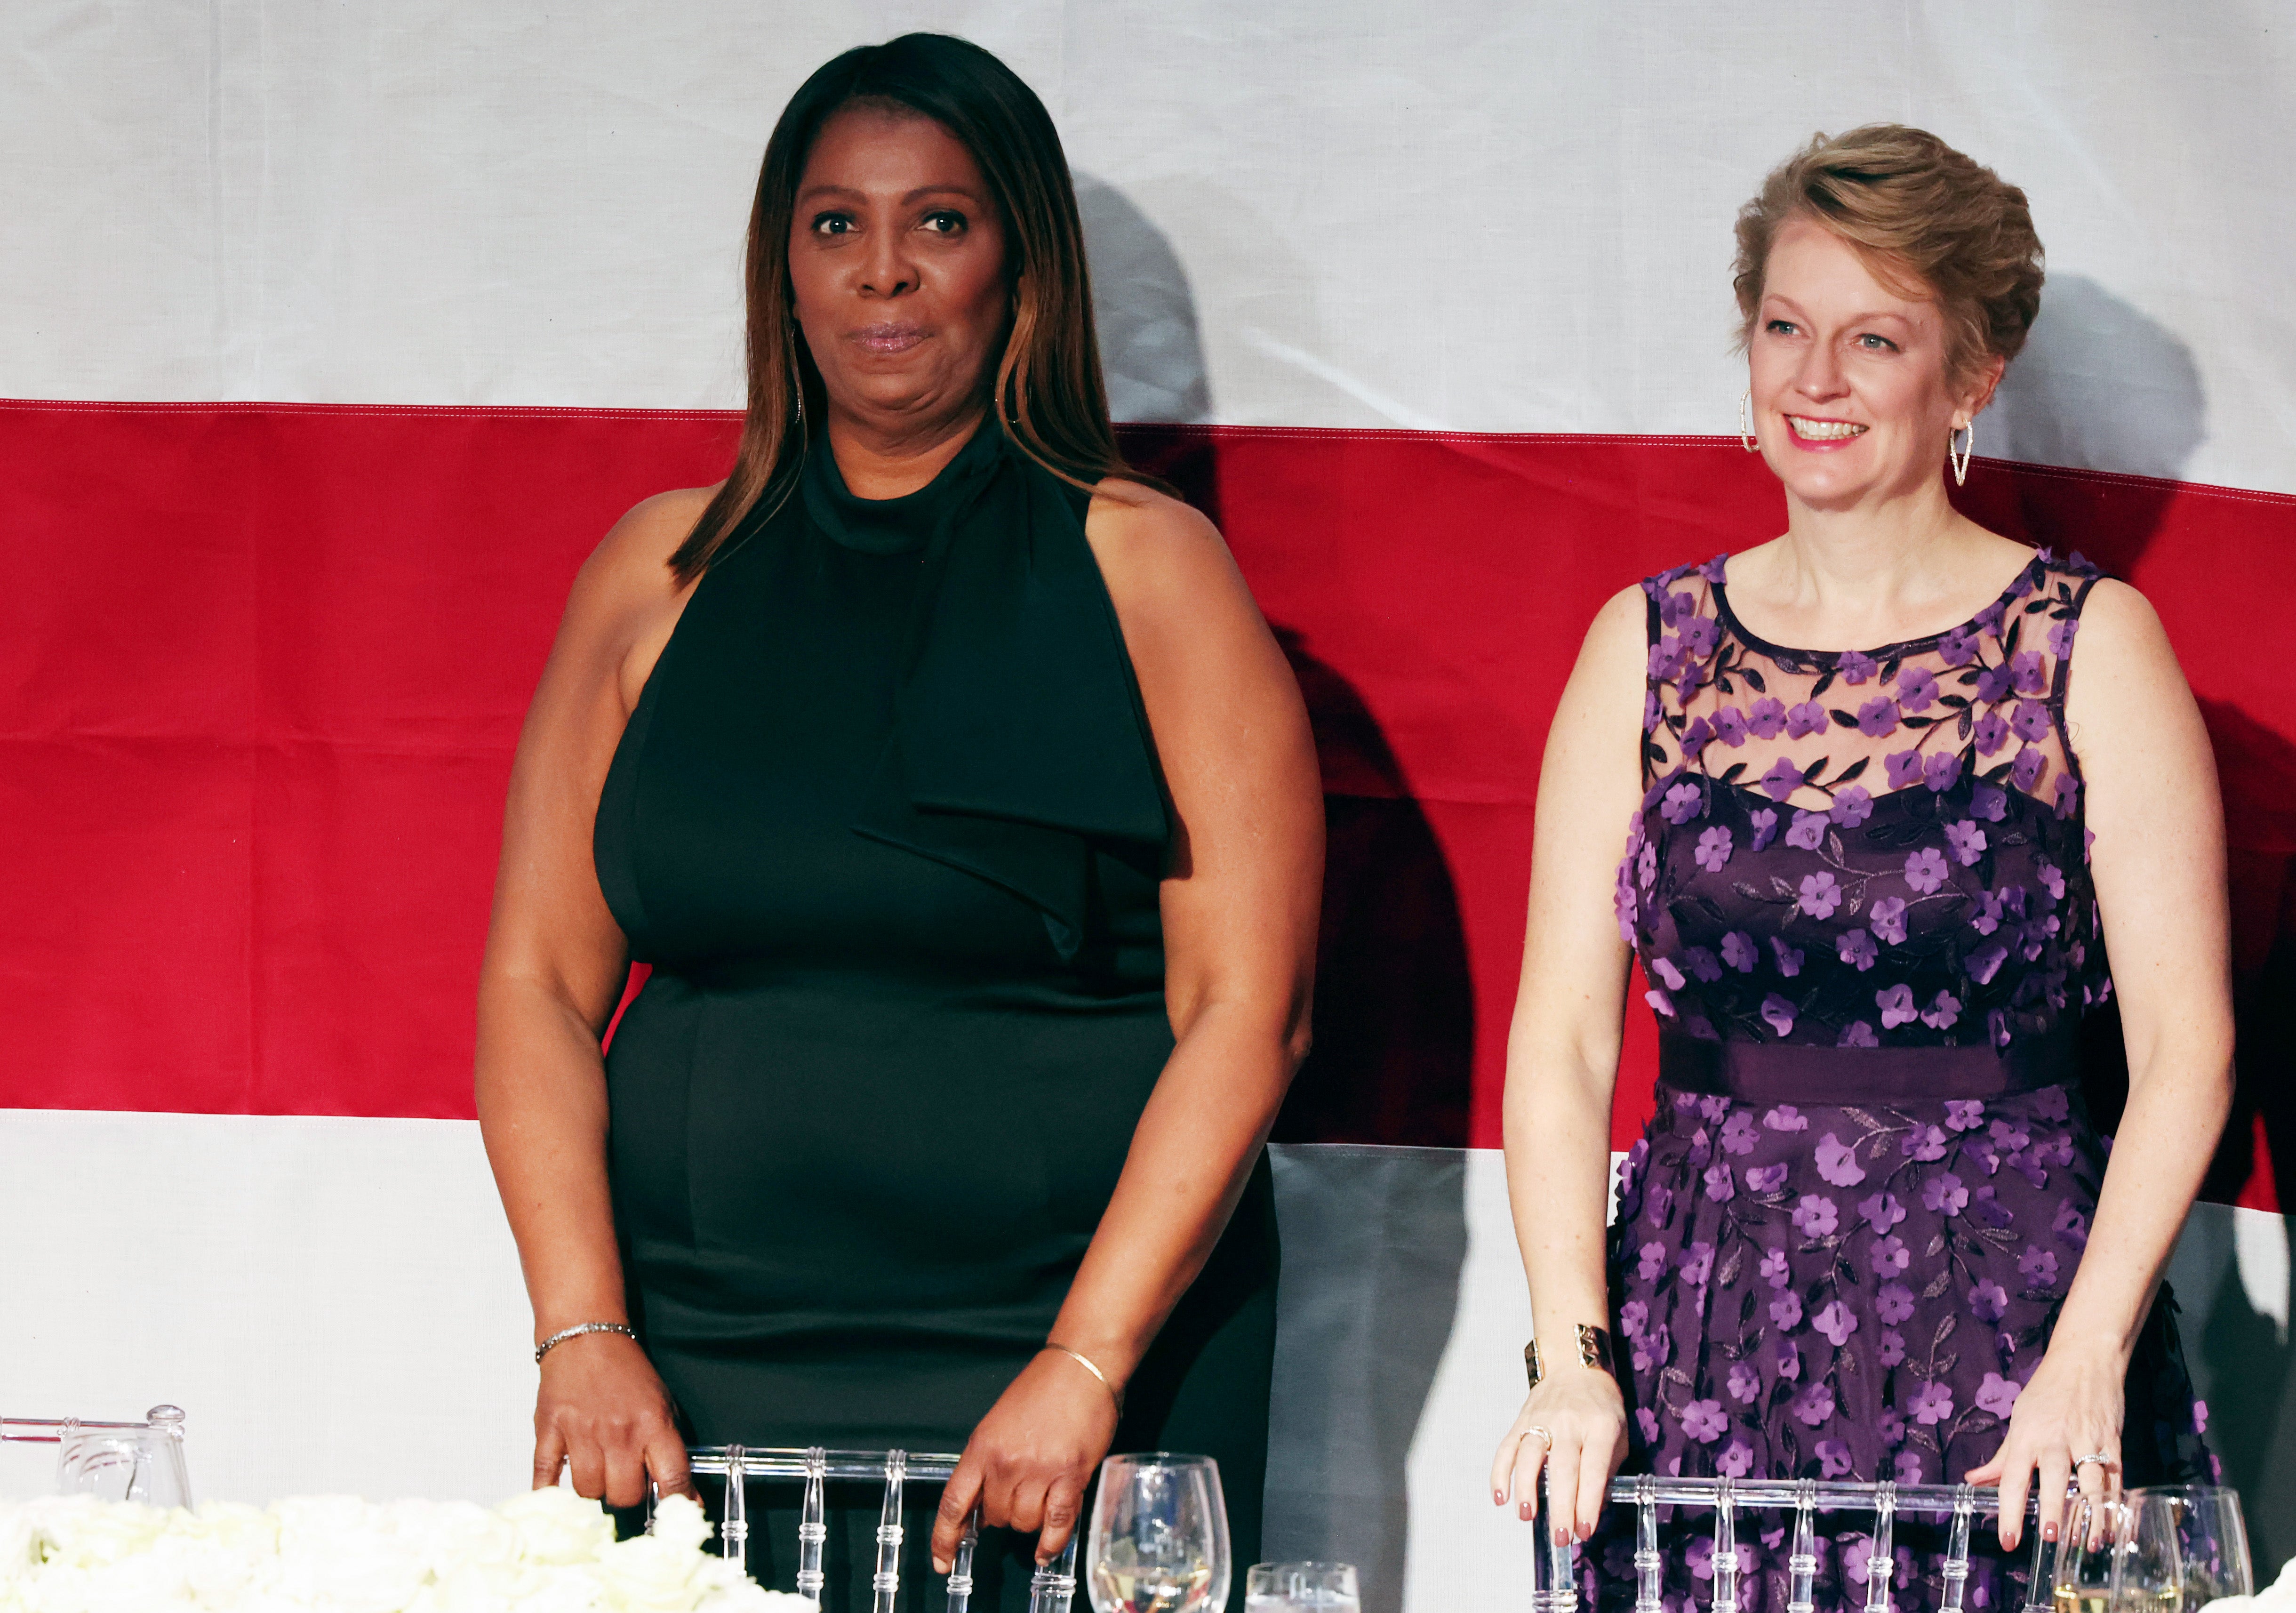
<point>1885,827</point>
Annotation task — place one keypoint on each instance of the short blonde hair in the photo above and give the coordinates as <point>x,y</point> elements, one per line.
<point>1928,220</point>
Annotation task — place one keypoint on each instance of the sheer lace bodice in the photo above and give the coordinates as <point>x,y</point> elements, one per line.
<point>1862,849</point>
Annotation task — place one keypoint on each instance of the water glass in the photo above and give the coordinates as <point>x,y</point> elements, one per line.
<point>1296,1587</point>
<point>141,1462</point>
<point>1159,1536</point>
<point>2210,1543</point>
<point>2090,1551</point>
<point>2150,1575</point>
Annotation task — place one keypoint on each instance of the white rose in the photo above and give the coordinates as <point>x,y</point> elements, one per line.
<point>81,1531</point>
<point>651,1574</point>
<point>18,1547</point>
<point>342,1554</point>
<point>556,1526</point>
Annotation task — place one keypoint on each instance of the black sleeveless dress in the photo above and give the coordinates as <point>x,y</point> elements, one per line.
<point>888,825</point>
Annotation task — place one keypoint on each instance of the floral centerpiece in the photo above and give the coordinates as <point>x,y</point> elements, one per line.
<point>546,1552</point>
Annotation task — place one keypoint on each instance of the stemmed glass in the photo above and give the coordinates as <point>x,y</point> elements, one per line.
<point>1159,1536</point>
<point>2089,1555</point>
<point>2189,1548</point>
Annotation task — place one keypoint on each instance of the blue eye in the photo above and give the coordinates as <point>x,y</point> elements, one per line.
<point>1873,343</point>
<point>1780,327</point>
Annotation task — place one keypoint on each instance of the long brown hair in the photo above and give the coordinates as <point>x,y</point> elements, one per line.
<point>1048,391</point>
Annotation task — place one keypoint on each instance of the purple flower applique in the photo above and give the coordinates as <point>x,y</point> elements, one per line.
<point>1917,689</point>
<point>1942,1012</point>
<point>1717,570</point>
<point>1700,635</point>
<point>2025,771</point>
<point>2050,1103</point>
<point>1998,1394</point>
<point>2029,721</point>
<point>1646,866</point>
<point>1856,668</point>
<point>1779,1013</point>
<point>1703,964</point>
<point>1892,1427</point>
<point>1889,915</point>
<point>1821,894</point>
<point>1693,679</point>
<point>1944,1195</point>
<point>1988,1299</point>
<point>1650,1262</point>
<point>1815,1404</point>
<point>1882,1212</point>
<point>1832,1457</point>
<point>1817,1215</point>
<point>1988,917</point>
<point>2053,880</point>
<point>1774,1269</point>
<point>1652,712</point>
<point>1808,830</point>
<point>1991,733</point>
<point>1904,768</point>
<point>1703,1421</point>
<point>1963,1114</point>
<point>1837,1162</point>
<point>1738,951</point>
<point>1633,1316</point>
<point>1739,1132</point>
<point>1857,947</point>
<point>1646,1421</point>
<point>1926,869</point>
<point>1837,1322</point>
<point>1857,1034</point>
<point>1713,848</point>
<point>1721,1183</point>
<point>2037,1266</point>
<point>1669,976</point>
<point>1890,1256</point>
<point>1933,1404</point>
<point>2060,637</point>
<point>1989,802</point>
<point>1785,1309</point>
<point>1852,806</point>
<point>1765,717</point>
<point>2068,789</point>
<point>1896,1005</point>
<point>1789,957</point>
<point>1683,801</point>
<point>1789,1360</point>
<point>1696,1263</point>
<point>1730,726</point>
<point>1673,607</point>
<point>1941,772</point>
<point>1744,1383</point>
<point>2025,669</point>
<point>1734,1462</point>
<point>1877,718</point>
<point>1924,1142</point>
<point>1696,737</point>
<point>1994,683</point>
<point>2071,1226</point>
<point>1958,647</point>
<point>1894,1303</point>
<point>1782,780</point>
<point>1664,664</point>
<point>1804,719</point>
<point>1967,841</point>
<point>1765,1180</point>
<point>1785,1117</point>
<point>1908,1464</point>
<point>1765,820</point>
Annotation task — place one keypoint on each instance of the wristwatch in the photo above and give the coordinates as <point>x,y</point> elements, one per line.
<point>1593,1351</point>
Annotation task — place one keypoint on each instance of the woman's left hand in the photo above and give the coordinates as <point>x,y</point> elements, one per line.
<point>1029,1460</point>
<point>2071,1408</point>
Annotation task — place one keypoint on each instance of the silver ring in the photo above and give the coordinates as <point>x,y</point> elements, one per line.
<point>2099,1458</point>
<point>1543,1434</point>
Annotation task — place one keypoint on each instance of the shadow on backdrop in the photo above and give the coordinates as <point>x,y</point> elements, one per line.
<point>1374,1236</point>
<point>2102,386</point>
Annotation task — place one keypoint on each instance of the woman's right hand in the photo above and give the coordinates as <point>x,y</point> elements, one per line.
<point>603,1411</point>
<point>1584,1416</point>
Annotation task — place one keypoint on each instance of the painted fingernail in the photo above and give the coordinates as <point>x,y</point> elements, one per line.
<point>1498,1498</point>
<point>1526,1512</point>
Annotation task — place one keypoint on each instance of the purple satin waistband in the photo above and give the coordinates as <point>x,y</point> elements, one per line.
<point>1770,1072</point>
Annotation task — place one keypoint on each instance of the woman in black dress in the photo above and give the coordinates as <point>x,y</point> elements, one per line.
<point>948,779</point>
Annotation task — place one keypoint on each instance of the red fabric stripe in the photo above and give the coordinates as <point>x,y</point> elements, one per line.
<point>266,666</point>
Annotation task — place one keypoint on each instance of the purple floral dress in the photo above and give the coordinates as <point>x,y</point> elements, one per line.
<point>1859,885</point>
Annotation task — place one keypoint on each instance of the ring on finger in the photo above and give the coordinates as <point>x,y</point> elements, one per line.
<point>2099,1458</point>
<point>1542,1433</point>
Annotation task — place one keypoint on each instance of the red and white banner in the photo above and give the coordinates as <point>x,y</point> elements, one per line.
<point>342,333</point>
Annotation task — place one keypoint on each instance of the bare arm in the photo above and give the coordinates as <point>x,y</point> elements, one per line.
<point>2150,787</point>
<point>1240,914</point>
<point>1563,1062</point>
<point>554,965</point>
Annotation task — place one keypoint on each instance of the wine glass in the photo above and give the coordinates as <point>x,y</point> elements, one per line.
<point>1301,1587</point>
<point>1159,1536</point>
<point>2089,1553</point>
<point>2150,1575</point>
<point>2203,1521</point>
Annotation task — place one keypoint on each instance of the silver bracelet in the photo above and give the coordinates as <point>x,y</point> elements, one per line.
<point>576,1332</point>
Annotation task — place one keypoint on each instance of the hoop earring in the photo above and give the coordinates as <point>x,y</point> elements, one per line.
<point>1745,424</point>
<point>1959,459</point>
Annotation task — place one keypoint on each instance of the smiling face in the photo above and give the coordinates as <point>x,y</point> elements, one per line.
<point>897,260</point>
<point>1853,401</point>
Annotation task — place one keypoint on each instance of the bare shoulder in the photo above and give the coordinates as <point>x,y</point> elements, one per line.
<point>626,599</point>
<point>1147,541</point>
<point>632,561</point>
<point>1621,625</point>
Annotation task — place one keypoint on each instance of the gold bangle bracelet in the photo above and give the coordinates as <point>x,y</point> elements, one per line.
<point>1593,1351</point>
<point>1087,1363</point>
